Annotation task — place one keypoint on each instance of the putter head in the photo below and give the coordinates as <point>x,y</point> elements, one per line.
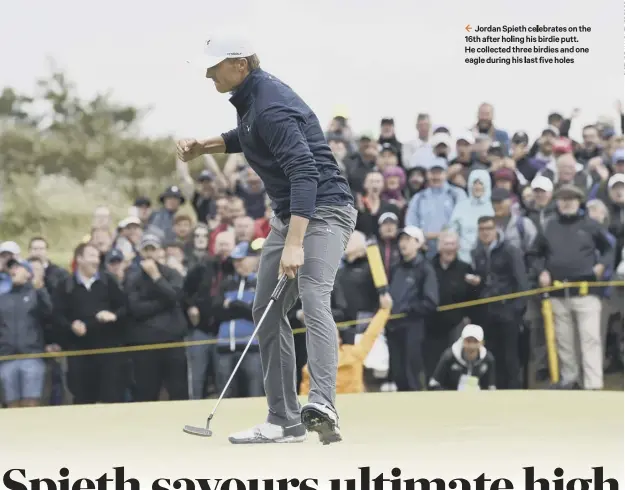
<point>198,431</point>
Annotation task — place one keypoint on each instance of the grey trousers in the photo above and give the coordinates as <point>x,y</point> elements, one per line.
<point>324,244</point>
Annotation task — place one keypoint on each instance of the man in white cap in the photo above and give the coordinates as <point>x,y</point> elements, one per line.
<point>8,250</point>
<point>283,142</point>
<point>542,204</point>
<point>414,289</point>
<point>466,365</point>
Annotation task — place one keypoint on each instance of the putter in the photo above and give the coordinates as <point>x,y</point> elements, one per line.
<point>206,432</point>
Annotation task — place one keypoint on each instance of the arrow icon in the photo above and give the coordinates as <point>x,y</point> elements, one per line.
<point>468,28</point>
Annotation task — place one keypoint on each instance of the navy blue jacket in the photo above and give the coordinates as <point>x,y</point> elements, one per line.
<point>283,142</point>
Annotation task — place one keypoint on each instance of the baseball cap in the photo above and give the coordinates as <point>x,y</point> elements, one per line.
<point>114,255</point>
<point>143,201</point>
<point>414,232</point>
<point>563,145</point>
<point>130,220</point>
<point>387,120</point>
<point>437,162</point>
<point>205,175</point>
<point>570,191</point>
<point>500,194</point>
<point>495,147</point>
<point>473,331</point>
<point>388,216</point>
<point>520,138</point>
<point>440,129</point>
<point>543,183</point>
<point>466,136</point>
<point>441,139</point>
<point>221,46</point>
<point>10,247</point>
<point>22,263</point>
<point>618,156</point>
<point>615,179</point>
<point>150,240</point>
<point>388,147</point>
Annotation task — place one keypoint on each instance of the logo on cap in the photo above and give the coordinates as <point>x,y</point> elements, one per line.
<point>208,42</point>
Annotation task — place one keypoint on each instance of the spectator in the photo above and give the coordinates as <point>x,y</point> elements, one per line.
<point>520,154</point>
<point>394,185</point>
<point>388,232</point>
<point>613,200</point>
<point>234,209</point>
<point>244,229</point>
<point>8,251</point>
<point>175,257</point>
<point>485,125</point>
<point>101,218</point>
<point>356,282</point>
<point>568,171</point>
<point>102,239</point>
<point>232,309</point>
<point>518,231</point>
<point>387,157</point>
<point>542,205</point>
<point>198,249</point>
<point>466,365</point>
<point>161,222</point>
<point>90,312</point>
<point>591,144</point>
<point>424,127</point>
<point>183,227</point>
<point>464,217</point>
<point>439,146</point>
<point>566,250</point>
<point>499,270</point>
<point>414,290</point>
<point>155,303</point>
<point>460,166</point>
<point>453,287</point>
<point>144,210</point>
<point>54,275</point>
<point>505,178</point>
<point>388,136</point>
<point>431,209</point>
<point>129,232</point>
<point>415,181</point>
<point>262,226</point>
<point>24,312</point>
<point>339,150</point>
<point>545,157</point>
<point>359,164</point>
<point>252,192</point>
<point>349,378</point>
<point>202,195</point>
<point>371,206</point>
<point>116,265</point>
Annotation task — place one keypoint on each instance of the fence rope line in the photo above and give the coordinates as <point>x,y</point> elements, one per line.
<point>173,345</point>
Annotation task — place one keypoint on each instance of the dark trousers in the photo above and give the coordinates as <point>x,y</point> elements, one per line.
<point>101,378</point>
<point>435,344</point>
<point>501,338</point>
<point>405,356</point>
<point>248,381</point>
<point>155,369</point>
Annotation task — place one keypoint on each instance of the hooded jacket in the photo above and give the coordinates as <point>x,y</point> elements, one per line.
<point>466,213</point>
<point>24,312</point>
<point>453,366</point>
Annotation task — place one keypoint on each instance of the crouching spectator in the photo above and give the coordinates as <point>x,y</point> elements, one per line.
<point>414,289</point>
<point>466,365</point>
<point>24,312</point>
<point>155,298</point>
<point>349,377</point>
<point>90,313</point>
<point>233,312</point>
<point>572,247</point>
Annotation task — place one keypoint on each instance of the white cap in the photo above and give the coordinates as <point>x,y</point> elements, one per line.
<point>220,47</point>
<point>472,330</point>
<point>10,247</point>
<point>414,232</point>
<point>615,179</point>
<point>386,216</point>
<point>542,182</point>
<point>130,220</point>
<point>441,138</point>
<point>466,136</point>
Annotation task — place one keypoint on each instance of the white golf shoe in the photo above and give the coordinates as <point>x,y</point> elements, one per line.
<point>267,433</point>
<point>322,420</point>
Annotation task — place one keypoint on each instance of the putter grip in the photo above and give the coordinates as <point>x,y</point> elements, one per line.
<point>279,287</point>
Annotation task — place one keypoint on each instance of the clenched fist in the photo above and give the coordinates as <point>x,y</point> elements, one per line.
<point>189,149</point>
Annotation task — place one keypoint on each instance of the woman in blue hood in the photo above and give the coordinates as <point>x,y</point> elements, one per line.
<point>466,213</point>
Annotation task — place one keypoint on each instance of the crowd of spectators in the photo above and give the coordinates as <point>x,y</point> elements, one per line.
<point>456,217</point>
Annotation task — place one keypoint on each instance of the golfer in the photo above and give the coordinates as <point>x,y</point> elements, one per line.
<point>314,217</point>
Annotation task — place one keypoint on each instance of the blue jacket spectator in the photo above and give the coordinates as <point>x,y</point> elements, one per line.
<point>431,209</point>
